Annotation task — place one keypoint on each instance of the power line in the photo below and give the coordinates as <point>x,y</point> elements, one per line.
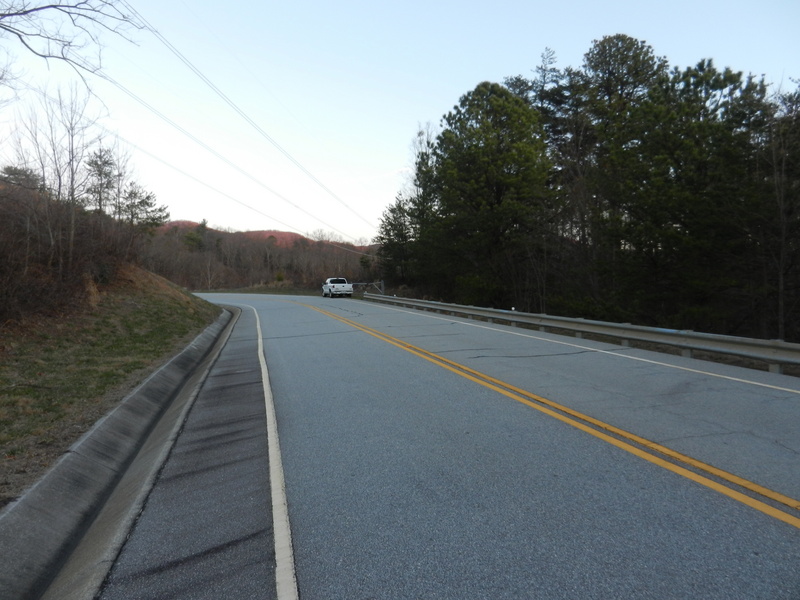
<point>240,112</point>
<point>221,193</point>
<point>46,96</point>
<point>195,139</point>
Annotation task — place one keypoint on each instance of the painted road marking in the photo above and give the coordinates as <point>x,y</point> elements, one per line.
<point>614,353</point>
<point>285,576</point>
<point>603,431</point>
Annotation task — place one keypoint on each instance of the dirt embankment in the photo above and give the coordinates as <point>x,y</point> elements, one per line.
<point>60,374</point>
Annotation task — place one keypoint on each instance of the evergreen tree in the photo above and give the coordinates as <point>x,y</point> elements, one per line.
<point>490,181</point>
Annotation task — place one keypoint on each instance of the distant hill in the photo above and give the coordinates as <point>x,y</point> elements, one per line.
<point>179,225</point>
<point>200,258</point>
<point>284,239</point>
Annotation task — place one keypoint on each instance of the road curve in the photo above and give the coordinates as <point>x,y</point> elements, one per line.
<point>434,457</point>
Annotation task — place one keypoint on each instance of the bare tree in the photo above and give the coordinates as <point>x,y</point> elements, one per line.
<point>122,159</point>
<point>55,148</point>
<point>68,31</point>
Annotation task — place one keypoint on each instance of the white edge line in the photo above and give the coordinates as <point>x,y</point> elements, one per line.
<point>599,351</point>
<point>285,577</point>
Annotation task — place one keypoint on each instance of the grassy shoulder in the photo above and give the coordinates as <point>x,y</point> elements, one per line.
<point>59,376</point>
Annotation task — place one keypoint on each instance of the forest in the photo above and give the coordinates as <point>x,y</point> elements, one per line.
<point>56,251</point>
<point>201,258</point>
<point>625,190</point>
<point>72,213</point>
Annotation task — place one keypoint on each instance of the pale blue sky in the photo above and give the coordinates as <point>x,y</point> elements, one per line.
<point>342,87</point>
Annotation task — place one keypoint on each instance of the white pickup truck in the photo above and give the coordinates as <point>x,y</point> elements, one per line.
<point>337,286</point>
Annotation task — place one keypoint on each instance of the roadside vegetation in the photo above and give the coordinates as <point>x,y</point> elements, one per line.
<point>621,190</point>
<point>60,373</point>
<point>197,256</point>
<point>84,314</point>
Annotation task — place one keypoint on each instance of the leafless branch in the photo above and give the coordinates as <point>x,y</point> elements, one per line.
<point>65,31</point>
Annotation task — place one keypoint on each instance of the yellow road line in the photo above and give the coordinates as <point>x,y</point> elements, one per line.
<point>583,422</point>
<point>550,340</point>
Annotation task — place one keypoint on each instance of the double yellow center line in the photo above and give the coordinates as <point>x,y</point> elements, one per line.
<point>723,482</point>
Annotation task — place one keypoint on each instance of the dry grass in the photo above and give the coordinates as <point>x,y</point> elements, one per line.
<point>58,376</point>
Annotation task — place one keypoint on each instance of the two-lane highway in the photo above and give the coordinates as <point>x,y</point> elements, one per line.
<point>433,457</point>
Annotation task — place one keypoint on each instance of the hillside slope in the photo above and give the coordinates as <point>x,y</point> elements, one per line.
<point>58,376</point>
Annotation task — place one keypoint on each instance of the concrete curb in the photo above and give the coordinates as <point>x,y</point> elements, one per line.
<point>39,531</point>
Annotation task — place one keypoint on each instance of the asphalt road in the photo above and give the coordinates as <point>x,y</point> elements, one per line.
<point>206,529</point>
<point>408,476</point>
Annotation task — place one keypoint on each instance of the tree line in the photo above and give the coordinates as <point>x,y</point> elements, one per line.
<point>70,212</point>
<point>623,190</point>
<point>199,257</point>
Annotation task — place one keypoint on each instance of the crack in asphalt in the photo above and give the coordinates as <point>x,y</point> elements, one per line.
<point>292,337</point>
<point>532,355</point>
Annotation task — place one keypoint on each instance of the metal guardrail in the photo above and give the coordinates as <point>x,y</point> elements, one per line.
<point>774,353</point>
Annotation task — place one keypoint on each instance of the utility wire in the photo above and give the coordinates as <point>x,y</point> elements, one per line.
<point>195,139</point>
<point>221,193</point>
<point>241,113</point>
<point>46,96</point>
